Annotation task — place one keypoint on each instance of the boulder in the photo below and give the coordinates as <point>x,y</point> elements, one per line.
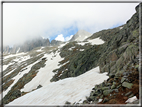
<point>127,85</point>
<point>107,92</point>
<point>105,88</point>
<point>105,100</point>
<point>122,79</point>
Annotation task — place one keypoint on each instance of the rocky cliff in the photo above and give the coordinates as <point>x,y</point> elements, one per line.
<point>119,56</point>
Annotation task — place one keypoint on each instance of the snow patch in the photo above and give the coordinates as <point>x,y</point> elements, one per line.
<point>130,100</point>
<point>18,51</point>
<point>5,66</point>
<point>96,41</point>
<point>71,48</point>
<point>20,59</point>
<point>40,49</point>
<point>81,49</point>
<point>74,89</point>
<point>121,28</point>
<point>63,44</point>
<point>100,100</point>
<point>82,43</point>
<point>12,55</point>
<point>9,72</point>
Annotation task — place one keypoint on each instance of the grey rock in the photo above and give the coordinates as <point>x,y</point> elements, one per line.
<point>118,86</point>
<point>127,85</point>
<point>128,93</point>
<point>113,86</point>
<point>107,92</point>
<point>131,95</point>
<point>67,102</point>
<point>122,79</point>
<point>105,100</point>
<point>105,88</point>
<point>56,43</point>
<point>116,90</point>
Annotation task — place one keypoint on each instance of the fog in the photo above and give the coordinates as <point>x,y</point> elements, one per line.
<point>22,21</point>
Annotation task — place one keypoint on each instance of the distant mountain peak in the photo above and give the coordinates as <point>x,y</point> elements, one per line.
<point>81,35</point>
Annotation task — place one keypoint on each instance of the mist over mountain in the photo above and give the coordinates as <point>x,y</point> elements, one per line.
<point>80,36</point>
<point>40,41</point>
<point>29,45</point>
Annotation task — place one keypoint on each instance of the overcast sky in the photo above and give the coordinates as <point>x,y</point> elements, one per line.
<point>22,21</point>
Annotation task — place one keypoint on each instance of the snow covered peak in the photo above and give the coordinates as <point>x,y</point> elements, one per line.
<point>81,35</point>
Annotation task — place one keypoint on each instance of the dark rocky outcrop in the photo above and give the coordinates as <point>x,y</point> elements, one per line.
<point>56,43</point>
<point>121,60</point>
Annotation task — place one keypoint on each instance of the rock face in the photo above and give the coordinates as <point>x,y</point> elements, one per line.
<point>56,43</point>
<point>80,35</point>
<point>118,56</point>
<point>127,85</point>
<point>120,59</point>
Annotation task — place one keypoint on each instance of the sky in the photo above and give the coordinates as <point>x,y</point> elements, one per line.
<point>60,21</point>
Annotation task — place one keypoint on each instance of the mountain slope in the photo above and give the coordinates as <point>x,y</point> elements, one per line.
<point>115,51</point>
<point>70,89</point>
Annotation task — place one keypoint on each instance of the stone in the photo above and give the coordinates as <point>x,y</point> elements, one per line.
<point>127,85</point>
<point>131,95</point>
<point>39,86</point>
<point>105,100</point>
<point>116,90</point>
<point>137,66</point>
<point>85,102</point>
<point>107,92</point>
<point>108,84</point>
<point>67,102</point>
<point>113,86</point>
<point>128,93</point>
<point>101,96</point>
<point>122,79</point>
<point>99,91</point>
<point>118,86</point>
<point>105,88</point>
<point>91,98</point>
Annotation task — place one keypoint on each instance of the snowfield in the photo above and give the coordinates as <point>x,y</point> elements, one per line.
<point>45,74</point>
<point>73,89</point>
<point>96,41</point>
<point>12,55</point>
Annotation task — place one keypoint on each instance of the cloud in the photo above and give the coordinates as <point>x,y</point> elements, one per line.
<point>22,21</point>
<point>68,38</point>
<point>60,38</point>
